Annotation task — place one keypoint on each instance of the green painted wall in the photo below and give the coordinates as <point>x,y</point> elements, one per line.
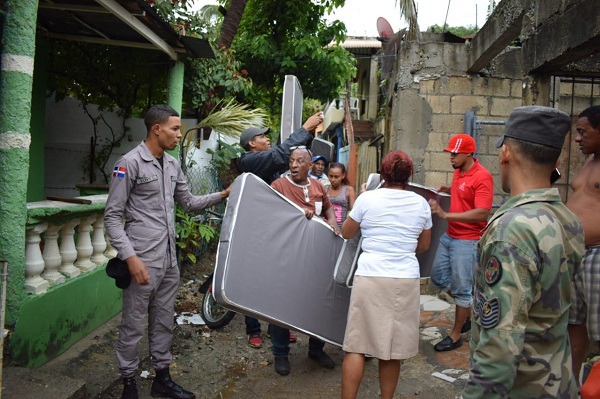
<point>49,323</point>
<point>36,181</point>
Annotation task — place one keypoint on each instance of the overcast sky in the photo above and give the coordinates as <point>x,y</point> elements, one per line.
<point>360,16</point>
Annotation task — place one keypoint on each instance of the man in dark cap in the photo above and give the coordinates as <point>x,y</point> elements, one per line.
<point>528,251</point>
<point>268,163</point>
<point>584,319</point>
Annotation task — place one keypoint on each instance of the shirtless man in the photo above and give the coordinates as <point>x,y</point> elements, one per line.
<point>584,317</point>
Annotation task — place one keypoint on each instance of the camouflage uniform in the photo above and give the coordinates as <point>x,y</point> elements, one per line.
<point>519,343</point>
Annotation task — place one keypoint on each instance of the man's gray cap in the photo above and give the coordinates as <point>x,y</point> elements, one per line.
<point>250,133</point>
<point>537,124</point>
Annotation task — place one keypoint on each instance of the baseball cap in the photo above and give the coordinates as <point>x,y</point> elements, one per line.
<point>537,124</point>
<point>248,134</point>
<point>117,269</point>
<point>317,157</point>
<point>461,144</point>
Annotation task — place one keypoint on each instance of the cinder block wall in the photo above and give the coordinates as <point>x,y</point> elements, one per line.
<point>431,94</point>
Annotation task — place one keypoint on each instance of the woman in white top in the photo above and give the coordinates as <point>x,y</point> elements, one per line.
<point>383,317</point>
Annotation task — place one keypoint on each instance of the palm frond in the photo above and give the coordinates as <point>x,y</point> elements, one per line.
<point>233,118</point>
<point>408,11</point>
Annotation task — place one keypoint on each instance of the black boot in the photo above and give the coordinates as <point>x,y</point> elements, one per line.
<point>163,386</point>
<point>129,389</point>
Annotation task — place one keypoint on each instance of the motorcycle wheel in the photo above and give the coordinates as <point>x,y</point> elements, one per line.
<point>214,315</point>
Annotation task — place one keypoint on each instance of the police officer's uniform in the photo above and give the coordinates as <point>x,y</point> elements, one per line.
<point>143,194</point>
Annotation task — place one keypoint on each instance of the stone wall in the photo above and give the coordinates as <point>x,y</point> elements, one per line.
<point>432,93</point>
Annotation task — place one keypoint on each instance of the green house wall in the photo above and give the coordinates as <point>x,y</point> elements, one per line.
<point>49,323</point>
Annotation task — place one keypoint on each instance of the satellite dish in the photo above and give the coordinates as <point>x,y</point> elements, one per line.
<point>384,28</point>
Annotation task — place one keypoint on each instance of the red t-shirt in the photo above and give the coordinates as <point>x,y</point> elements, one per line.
<point>316,194</point>
<point>470,190</point>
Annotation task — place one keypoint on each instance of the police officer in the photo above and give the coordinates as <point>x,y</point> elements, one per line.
<point>146,183</point>
<point>528,251</point>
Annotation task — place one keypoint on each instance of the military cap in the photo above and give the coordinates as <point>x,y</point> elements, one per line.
<point>537,124</point>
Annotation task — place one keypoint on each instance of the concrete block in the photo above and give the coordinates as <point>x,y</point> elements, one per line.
<point>439,161</point>
<point>450,124</point>
<point>426,161</point>
<point>429,86</point>
<point>433,54</point>
<point>503,106</point>
<point>457,85</point>
<point>516,88</point>
<point>456,55</point>
<point>437,179</point>
<point>438,141</point>
<point>491,87</point>
<point>462,104</point>
<point>439,104</point>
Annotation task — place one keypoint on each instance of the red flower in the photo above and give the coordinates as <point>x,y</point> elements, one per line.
<point>244,72</point>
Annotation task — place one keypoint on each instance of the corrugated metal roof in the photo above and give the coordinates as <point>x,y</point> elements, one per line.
<point>357,42</point>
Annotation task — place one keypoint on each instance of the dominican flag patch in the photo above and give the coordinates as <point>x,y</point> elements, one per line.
<point>119,172</point>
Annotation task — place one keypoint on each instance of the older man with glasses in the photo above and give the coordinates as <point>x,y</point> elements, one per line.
<point>268,163</point>
<point>311,196</point>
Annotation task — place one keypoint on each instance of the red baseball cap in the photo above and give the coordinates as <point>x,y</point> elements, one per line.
<point>461,144</point>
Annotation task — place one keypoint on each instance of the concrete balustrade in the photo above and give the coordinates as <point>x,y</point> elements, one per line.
<point>63,241</point>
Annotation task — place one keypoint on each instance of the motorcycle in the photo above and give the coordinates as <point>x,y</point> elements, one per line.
<point>214,315</point>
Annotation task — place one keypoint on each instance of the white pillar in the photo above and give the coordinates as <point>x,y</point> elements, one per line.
<point>34,263</point>
<point>67,249</point>
<point>84,244</point>
<point>51,256</point>
<point>98,241</point>
<point>110,251</point>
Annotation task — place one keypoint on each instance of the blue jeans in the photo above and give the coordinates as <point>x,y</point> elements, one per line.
<point>280,338</point>
<point>453,268</point>
<point>252,325</point>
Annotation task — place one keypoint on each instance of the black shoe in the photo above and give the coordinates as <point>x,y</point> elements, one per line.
<point>282,365</point>
<point>129,388</point>
<point>163,386</point>
<point>447,345</point>
<point>323,359</point>
<point>466,327</point>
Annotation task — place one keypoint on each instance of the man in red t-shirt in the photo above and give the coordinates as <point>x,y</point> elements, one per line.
<point>471,196</point>
<point>310,195</point>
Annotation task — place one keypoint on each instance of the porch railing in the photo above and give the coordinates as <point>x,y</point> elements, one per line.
<point>64,240</point>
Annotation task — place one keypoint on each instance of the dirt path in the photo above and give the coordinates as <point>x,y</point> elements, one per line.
<point>220,364</point>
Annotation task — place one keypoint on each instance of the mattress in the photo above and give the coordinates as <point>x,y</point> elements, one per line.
<point>276,265</point>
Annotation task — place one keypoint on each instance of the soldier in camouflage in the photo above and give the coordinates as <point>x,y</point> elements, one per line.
<point>519,344</point>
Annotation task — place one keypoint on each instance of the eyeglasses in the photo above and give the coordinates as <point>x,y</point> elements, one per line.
<point>301,147</point>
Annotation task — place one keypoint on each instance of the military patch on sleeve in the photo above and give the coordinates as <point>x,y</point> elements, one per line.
<point>493,271</point>
<point>490,313</point>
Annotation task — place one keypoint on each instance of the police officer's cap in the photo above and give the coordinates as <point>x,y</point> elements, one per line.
<point>117,269</point>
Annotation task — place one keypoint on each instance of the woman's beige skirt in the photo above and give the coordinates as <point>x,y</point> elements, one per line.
<point>383,318</point>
